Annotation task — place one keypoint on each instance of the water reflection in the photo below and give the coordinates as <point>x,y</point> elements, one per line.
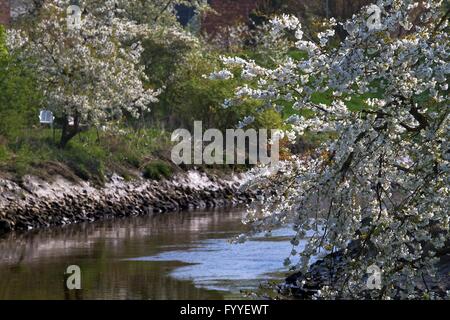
<point>171,256</point>
<point>217,265</point>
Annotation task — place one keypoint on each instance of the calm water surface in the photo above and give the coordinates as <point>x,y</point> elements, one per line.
<point>172,256</point>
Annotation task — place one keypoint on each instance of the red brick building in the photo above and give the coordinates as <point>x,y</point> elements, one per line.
<point>227,13</point>
<point>5,12</point>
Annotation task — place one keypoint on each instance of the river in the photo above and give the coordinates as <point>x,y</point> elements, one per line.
<point>183,255</point>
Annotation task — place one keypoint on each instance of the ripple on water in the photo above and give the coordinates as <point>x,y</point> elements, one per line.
<point>217,264</point>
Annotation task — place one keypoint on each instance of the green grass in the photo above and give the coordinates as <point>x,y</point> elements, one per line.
<point>157,170</point>
<point>90,155</point>
<point>4,154</point>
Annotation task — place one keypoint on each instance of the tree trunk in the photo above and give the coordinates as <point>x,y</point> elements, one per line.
<point>68,131</point>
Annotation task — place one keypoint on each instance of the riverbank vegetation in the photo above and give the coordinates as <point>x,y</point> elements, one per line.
<point>106,121</point>
<point>103,121</point>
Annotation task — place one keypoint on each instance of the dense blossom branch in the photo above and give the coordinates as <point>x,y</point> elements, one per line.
<point>383,183</point>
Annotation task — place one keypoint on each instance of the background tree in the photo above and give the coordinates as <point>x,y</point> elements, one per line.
<point>19,98</point>
<point>89,75</point>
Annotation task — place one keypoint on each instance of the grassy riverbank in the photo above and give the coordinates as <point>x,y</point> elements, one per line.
<point>90,156</point>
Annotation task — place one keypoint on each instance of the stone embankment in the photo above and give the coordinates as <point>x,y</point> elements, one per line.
<point>35,203</point>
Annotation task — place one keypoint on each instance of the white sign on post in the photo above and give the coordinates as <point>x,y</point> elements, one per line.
<point>46,117</point>
<point>73,17</point>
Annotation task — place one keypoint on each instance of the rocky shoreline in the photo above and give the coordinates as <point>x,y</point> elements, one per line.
<point>304,286</point>
<point>35,203</point>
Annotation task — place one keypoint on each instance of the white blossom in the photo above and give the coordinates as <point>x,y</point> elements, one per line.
<point>383,182</point>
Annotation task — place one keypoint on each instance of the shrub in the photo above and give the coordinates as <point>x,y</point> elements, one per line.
<point>157,170</point>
